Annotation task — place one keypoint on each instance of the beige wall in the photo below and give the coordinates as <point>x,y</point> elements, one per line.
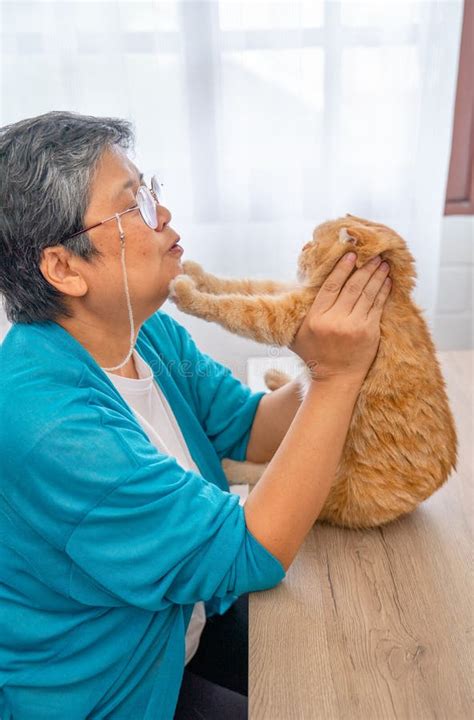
<point>453,327</point>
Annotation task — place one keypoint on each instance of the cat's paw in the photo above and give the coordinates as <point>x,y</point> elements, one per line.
<point>181,290</point>
<point>192,268</point>
<point>195,271</point>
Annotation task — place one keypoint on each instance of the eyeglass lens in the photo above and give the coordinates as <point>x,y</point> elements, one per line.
<point>147,203</point>
<point>147,206</point>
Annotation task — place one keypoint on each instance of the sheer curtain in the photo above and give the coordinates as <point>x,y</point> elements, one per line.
<point>262,118</point>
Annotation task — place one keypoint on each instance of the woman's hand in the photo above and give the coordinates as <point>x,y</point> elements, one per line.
<point>340,334</point>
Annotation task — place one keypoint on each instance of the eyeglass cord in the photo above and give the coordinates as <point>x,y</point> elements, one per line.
<point>127,295</point>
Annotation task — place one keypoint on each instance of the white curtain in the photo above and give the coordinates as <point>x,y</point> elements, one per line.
<point>262,118</point>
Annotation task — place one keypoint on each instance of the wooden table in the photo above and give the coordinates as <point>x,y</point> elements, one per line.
<point>375,624</point>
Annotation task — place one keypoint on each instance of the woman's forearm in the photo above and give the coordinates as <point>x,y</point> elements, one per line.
<point>291,492</point>
<point>275,413</point>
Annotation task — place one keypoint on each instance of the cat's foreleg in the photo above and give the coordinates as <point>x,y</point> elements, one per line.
<point>206,282</point>
<point>271,319</point>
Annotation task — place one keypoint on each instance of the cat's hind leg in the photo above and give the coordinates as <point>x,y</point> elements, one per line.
<point>275,379</point>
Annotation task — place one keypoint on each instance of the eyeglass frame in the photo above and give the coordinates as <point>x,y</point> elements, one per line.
<point>117,215</point>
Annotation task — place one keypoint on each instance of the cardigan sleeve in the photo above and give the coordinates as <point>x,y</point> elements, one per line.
<point>225,407</point>
<point>167,536</point>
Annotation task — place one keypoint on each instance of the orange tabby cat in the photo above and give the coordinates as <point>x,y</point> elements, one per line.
<point>401,444</point>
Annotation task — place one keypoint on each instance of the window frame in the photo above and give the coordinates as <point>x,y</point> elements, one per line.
<point>460,184</point>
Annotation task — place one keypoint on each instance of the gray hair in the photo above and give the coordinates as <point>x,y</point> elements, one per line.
<point>47,164</point>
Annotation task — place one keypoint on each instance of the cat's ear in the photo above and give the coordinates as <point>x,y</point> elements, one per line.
<point>346,237</point>
<point>365,241</point>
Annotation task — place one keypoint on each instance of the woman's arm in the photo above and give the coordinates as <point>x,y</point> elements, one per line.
<point>291,493</point>
<point>273,418</point>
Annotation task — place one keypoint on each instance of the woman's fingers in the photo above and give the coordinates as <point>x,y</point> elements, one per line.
<point>331,287</point>
<point>376,310</point>
<point>339,341</point>
<point>369,292</point>
<point>339,287</point>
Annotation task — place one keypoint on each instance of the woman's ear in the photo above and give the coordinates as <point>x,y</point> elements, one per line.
<point>365,241</point>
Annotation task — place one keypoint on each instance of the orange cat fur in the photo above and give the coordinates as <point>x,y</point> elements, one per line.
<point>401,444</point>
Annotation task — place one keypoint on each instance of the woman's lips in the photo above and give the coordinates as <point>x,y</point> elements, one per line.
<point>176,249</point>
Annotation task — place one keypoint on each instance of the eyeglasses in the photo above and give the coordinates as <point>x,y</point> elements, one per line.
<point>146,200</point>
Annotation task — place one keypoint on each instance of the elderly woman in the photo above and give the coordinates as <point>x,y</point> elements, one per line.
<point>121,544</point>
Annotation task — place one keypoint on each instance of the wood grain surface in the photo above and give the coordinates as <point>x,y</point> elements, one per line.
<point>376,624</point>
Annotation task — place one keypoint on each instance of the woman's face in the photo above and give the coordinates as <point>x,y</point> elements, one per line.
<point>150,263</point>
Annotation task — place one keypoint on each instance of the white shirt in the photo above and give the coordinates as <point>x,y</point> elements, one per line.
<point>155,416</point>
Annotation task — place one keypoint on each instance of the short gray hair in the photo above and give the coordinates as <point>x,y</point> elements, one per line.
<point>46,167</point>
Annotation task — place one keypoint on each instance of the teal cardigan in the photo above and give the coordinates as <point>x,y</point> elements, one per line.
<point>106,543</point>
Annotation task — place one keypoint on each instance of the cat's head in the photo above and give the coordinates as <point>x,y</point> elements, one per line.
<point>334,238</point>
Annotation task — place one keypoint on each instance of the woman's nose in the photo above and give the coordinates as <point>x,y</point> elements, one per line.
<point>164,217</point>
